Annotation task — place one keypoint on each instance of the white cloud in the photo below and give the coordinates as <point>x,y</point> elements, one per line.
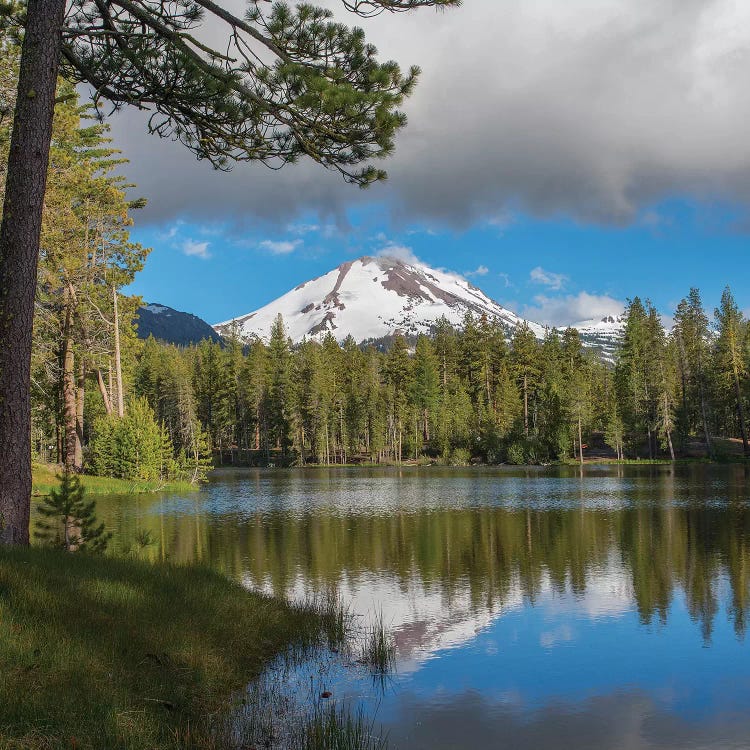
<point>196,249</point>
<point>281,247</point>
<point>171,231</point>
<point>400,252</point>
<point>479,271</point>
<point>570,309</point>
<point>506,279</point>
<point>554,281</point>
<point>303,228</point>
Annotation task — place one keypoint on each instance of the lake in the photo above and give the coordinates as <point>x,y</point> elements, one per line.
<point>531,608</point>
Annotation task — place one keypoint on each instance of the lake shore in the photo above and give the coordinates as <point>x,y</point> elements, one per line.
<point>102,652</point>
<point>44,479</point>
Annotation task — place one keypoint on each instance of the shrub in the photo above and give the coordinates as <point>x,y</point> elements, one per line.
<point>68,521</point>
<point>132,447</point>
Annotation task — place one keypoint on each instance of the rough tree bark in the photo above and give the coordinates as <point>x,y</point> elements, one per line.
<point>69,394</point>
<point>19,252</point>
<point>80,405</point>
<point>118,360</point>
<point>741,414</point>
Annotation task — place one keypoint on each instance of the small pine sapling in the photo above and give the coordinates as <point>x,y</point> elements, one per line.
<point>68,520</point>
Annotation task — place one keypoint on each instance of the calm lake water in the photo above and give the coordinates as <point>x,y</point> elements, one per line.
<point>535,608</point>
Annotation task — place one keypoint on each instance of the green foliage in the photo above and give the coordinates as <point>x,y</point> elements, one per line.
<point>67,520</point>
<point>284,82</point>
<point>132,447</point>
<point>137,447</point>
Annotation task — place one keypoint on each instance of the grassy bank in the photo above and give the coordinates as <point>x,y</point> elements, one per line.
<point>44,478</point>
<point>111,653</point>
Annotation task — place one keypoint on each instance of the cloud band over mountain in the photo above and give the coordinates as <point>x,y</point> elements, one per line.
<point>593,109</point>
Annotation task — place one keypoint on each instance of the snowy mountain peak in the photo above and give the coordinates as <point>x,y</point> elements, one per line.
<point>613,322</point>
<point>373,297</point>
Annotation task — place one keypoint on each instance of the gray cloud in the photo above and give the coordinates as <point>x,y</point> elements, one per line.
<point>592,109</point>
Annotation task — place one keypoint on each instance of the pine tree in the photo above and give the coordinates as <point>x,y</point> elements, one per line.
<point>525,359</point>
<point>731,359</point>
<point>614,433</point>
<point>425,387</point>
<point>280,387</point>
<point>396,370</point>
<point>68,520</point>
<point>631,375</point>
<point>691,335</point>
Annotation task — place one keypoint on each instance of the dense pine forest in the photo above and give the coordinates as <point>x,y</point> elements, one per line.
<point>105,402</point>
<point>459,396</point>
<point>462,395</point>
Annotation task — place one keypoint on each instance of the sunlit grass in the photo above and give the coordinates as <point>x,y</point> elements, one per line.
<point>44,479</point>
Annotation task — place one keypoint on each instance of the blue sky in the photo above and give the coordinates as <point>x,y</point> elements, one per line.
<point>556,271</point>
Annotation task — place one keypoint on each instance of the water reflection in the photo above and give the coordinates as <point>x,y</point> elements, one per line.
<point>607,608</point>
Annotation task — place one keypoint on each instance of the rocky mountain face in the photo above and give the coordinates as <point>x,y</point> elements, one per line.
<point>173,326</point>
<point>374,298</point>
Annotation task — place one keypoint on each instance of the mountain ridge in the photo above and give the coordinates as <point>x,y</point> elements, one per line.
<point>173,326</point>
<point>374,297</point>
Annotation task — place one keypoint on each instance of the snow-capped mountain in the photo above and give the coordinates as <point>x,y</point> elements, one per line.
<point>370,298</point>
<point>374,297</point>
<point>604,334</point>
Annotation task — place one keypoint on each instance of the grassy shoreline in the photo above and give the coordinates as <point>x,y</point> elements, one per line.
<point>102,652</point>
<point>44,478</point>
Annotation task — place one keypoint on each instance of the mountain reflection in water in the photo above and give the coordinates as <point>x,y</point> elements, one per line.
<point>535,608</point>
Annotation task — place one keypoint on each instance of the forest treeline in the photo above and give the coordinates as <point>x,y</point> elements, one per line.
<point>107,402</point>
<point>463,394</point>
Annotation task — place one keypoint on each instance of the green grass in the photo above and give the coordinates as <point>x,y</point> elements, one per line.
<point>335,727</point>
<point>44,478</point>
<point>379,648</point>
<point>101,652</point>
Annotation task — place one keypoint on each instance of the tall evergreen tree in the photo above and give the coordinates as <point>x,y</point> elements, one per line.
<point>425,388</point>
<point>280,387</point>
<point>631,374</point>
<point>731,358</point>
<point>525,359</point>
<point>396,379</point>
<point>691,335</point>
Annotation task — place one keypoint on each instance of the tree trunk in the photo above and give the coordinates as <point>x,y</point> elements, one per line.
<point>741,415</point>
<point>525,407</point>
<point>704,415</point>
<point>69,395</point>
<point>580,441</point>
<point>25,184</point>
<point>669,442</point>
<point>80,403</point>
<point>118,360</point>
<point>104,392</point>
